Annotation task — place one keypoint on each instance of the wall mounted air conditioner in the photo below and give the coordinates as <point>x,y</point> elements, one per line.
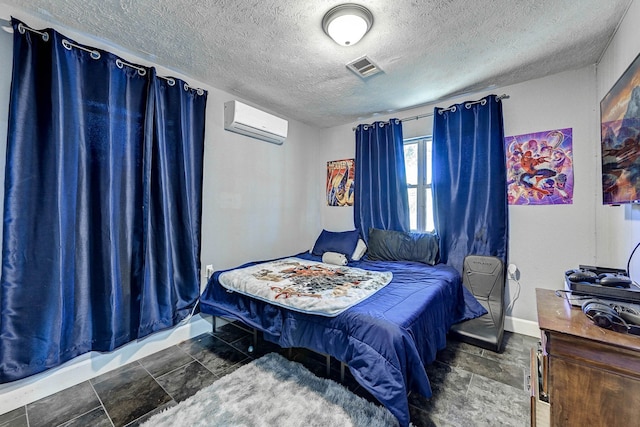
<point>246,120</point>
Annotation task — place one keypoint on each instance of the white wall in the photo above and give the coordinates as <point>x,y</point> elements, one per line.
<point>258,198</point>
<point>259,202</point>
<point>618,227</point>
<point>545,241</point>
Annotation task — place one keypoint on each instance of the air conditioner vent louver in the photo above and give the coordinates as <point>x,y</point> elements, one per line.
<point>364,67</point>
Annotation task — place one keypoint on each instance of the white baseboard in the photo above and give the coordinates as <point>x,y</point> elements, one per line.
<point>521,326</point>
<point>18,393</point>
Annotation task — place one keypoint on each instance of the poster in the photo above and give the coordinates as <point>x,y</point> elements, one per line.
<point>540,168</point>
<point>340,176</point>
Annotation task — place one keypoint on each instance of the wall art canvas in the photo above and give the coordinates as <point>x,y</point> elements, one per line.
<point>540,168</point>
<point>340,177</point>
<point>620,138</point>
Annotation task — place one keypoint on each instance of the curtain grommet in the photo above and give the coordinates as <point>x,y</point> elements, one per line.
<point>23,29</point>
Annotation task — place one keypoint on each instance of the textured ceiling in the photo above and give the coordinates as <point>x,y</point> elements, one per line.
<point>274,53</point>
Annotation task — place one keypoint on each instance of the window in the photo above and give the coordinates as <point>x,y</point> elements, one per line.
<point>417,160</point>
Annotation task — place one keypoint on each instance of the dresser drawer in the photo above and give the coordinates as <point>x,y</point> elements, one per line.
<point>540,408</point>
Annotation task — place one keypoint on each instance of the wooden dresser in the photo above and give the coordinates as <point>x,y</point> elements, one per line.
<point>592,375</point>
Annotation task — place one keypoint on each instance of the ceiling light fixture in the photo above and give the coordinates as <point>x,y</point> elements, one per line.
<point>347,23</point>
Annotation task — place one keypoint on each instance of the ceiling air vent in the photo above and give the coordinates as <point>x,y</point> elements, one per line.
<point>364,67</point>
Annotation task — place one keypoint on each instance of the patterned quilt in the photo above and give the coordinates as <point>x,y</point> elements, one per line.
<point>306,286</point>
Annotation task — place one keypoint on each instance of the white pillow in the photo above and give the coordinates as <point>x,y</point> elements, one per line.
<point>334,258</point>
<point>360,250</point>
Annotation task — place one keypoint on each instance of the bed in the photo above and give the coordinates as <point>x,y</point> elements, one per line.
<point>386,340</point>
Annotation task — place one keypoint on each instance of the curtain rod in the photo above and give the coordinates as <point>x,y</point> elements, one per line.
<point>422,116</point>
<point>95,54</point>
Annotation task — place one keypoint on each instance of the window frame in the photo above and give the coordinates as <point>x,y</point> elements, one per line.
<point>422,185</point>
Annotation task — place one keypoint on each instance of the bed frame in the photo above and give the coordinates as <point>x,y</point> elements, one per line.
<point>254,344</point>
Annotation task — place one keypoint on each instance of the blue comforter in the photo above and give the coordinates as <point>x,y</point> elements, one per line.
<point>386,340</point>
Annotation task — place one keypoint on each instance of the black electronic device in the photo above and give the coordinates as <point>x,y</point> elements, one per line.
<point>612,316</point>
<point>631,317</point>
<point>601,270</point>
<point>606,283</point>
<point>614,280</point>
<point>582,276</point>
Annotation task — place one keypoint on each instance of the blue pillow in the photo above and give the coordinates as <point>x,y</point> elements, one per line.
<point>388,245</point>
<point>343,242</point>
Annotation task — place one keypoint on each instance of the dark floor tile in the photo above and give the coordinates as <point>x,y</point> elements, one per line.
<point>232,332</point>
<point>454,348</point>
<point>448,384</point>
<point>471,386</point>
<point>148,415</point>
<point>63,406</point>
<point>11,415</point>
<point>234,367</point>
<point>216,355</point>
<point>455,345</point>
<point>509,374</point>
<point>116,373</point>
<point>130,395</point>
<point>165,361</point>
<point>19,421</point>
<point>263,347</point>
<point>509,403</point>
<point>315,362</point>
<point>315,366</point>
<point>186,381</point>
<point>420,418</point>
<point>443,377</point>
<point>516,351</point>
<point>454,407</point>
<point>95,418</point>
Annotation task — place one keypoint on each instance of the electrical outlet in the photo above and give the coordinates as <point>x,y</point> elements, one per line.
<point>209,270</point>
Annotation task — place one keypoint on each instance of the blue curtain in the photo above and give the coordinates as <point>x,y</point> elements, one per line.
<point>80,205</point>
<point>380,199</point>
<point>469,181</point>
<point>173,188</point>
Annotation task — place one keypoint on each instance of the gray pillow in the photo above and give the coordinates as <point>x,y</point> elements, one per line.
<point>389,245</point>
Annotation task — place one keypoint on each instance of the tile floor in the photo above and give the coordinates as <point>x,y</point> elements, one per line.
<point>472,386</point>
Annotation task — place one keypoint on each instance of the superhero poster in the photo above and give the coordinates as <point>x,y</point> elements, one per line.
<point>340,176</point>
<point>540,168</point>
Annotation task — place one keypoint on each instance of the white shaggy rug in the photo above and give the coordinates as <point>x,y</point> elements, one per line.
<point>273,391</point>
